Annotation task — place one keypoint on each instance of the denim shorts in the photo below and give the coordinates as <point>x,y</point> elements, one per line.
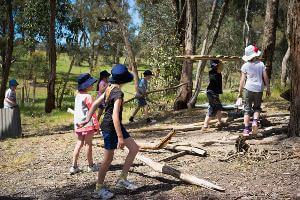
<point>111,138</point>
<point>142,102</point>
<point>214,103</point>
<point>252,101</point>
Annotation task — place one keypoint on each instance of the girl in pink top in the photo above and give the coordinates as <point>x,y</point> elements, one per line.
<point>101,87</point>
<point>83,103</point>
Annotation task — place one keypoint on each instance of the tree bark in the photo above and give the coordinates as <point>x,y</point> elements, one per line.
<point>7,55</point>
<point>124,30</point>
<point>246,28</point>
<point>50,101</point>
<point>294,126</point>
<point>284,65</point>
<point>185,92</point>
<point>206,50</point>
<point>269,38</point>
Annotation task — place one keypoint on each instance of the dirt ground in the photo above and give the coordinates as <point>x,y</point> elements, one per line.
<point>36,166</point>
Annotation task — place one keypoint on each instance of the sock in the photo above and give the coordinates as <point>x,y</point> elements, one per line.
<point>123,176</point>
<point>98,186</point>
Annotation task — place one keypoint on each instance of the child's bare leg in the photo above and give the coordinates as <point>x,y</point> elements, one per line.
<point>206,121</point>
<point>99,113</point>
<point>89,148</point>
<point>133,150</point>
<point>107,159</point>
<point>135,111</point>
<point>78,146</point>
<point>256,115</point>
<point>219,116</point>
<point>246,120</point>
<point>146,109</point>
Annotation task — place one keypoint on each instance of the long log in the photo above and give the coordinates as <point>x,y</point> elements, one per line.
<point>192,150</point>
<point>159,90</point>
<point>209,57</point>
<point>165,169</point>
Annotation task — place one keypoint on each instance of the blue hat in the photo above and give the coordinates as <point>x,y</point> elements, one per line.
<point>84,81</point>
<point>214,63</point>
<point>148,73</point>
<point>13,82</point>
<point>120,75</point>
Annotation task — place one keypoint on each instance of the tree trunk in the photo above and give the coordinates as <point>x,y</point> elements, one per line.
<point>294,129</point>
<point>180,6</point>
<point>246,28</point>
<point>50,101</point>
<point>269,38</point>
<point>66,82</point>
<point>7,56</point>
<point>124,30</point>
<point>185,92</point>
<point>34,89</point>
<point>284,65</point>
<point>206,50</point>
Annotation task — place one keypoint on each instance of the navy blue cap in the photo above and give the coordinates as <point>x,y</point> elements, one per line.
<point>120,75</point>
<point>13,82</point>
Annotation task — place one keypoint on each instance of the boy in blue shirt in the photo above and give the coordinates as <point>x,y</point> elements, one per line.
<point>141,94</point>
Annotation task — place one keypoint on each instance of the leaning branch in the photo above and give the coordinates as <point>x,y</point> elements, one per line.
<point>154,91</point>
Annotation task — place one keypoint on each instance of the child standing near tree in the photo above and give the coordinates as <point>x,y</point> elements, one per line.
<point>214,89</point>
<point>10,100</point>
<point>141,94</point>
<point>101,87</point>
<point>114,134</point>
<point>83,103</point>
<point>253,79</point>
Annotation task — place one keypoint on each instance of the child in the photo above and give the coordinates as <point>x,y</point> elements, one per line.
<point>101,87</point>
<point>83,103</point>
<point>255,75</point>
<point>114,133</point>
<point>141,93</point>
<point>10,100</point>
<point>213,90</point>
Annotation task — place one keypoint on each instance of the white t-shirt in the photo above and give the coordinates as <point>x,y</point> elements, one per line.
<point>10,94</point>
<point>254,73</point>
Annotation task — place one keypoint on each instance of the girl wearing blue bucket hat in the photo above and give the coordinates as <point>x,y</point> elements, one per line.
<point>114,133</point>
<point>83,103</point>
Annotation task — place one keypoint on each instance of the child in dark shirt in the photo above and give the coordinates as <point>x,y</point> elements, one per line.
<point>213,90</point>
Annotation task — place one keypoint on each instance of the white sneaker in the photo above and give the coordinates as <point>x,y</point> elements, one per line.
<point>74,170</point>
<point>93,168</point>
<point>126,184</point>
<point>103,193</point>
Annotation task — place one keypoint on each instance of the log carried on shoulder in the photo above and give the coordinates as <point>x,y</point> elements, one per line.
<point>159,90</point>
<point>165,169</point>
<point>210,57</point>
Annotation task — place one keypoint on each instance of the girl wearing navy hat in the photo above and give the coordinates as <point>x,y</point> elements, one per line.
<point>101,87</point>
<point>83,103</point>
<point>114,134</point>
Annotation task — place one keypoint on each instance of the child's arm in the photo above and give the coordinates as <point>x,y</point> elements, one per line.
<point>266,79</point>
<point>10,101</point>
<point>92,110</point>
<point>242,84</point>
<point>117,123</point>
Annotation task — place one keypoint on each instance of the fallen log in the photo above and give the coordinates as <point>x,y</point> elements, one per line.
<point>161,144</point>
<point>165,169</point>
<point>188,149</point>
<point>172,157</point>
<point>159,90</point>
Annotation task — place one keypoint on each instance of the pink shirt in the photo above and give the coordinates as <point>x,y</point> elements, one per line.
<point>101,84</point>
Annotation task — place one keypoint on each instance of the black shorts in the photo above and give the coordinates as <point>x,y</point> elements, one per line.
<point>111,138</point>
<point>214,103</point>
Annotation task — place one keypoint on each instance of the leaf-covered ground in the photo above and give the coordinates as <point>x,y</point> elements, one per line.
<point>36,166</point>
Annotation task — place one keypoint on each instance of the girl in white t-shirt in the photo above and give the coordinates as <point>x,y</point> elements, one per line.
<point>253,79</point>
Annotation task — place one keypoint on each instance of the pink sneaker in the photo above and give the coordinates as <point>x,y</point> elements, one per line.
<point>246,132</point>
